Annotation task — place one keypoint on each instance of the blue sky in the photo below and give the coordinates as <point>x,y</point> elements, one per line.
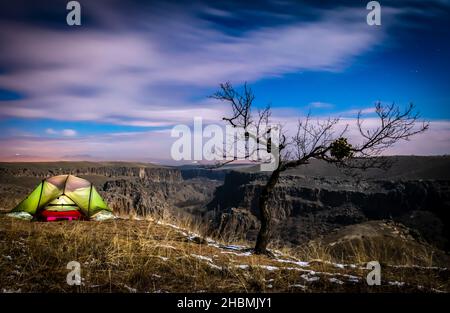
<point>114,87</point>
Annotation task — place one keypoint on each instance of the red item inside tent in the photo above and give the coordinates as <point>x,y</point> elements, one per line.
<point>51,216</point>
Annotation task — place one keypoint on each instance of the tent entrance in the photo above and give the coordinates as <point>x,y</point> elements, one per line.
<point>62,203</point>
<point>53,216</point>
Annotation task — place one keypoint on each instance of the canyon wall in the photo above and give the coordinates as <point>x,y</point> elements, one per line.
<point>305,207</point>
<point>128,188</point>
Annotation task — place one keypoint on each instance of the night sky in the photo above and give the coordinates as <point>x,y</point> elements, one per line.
<point>112,88</point>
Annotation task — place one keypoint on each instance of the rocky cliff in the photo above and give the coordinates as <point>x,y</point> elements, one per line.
<point>106,169</point>
<point>128,188</point>
<point>307,206</point>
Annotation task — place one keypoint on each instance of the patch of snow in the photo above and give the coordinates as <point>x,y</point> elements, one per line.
<point>21,215</point>
<point>94,286</point>
<point>269,286</point>
<point>338,265</point>
<point>217,267</point>
<point>353,279</point>
<point>237,253</point>
<point>234,247</point>
<point>269,267</point>
<point>420,267</point>
<point>335,280</point>
<point>168,224</point>
<point>296,269</point>
<point>103,216</point>
<point>299,263</point>
<point>210,241</point>
<point>309,278</point>
<point>297,286</point>
<point>8,257</point>
<point>396,283</point>
<point>132,290</point>
<point>11,290</point>
<point>208,260</point>
<point>243,266</point>
<point>437,290</point>
<point>201,257</point>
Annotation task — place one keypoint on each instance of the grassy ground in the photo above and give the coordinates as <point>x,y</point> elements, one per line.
<point>149,256</point>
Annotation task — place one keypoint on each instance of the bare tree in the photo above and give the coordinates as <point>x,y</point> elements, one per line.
<point>322,139</point>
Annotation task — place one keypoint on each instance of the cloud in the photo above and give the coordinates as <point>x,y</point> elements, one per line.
<point>68,132</point>
<point>116,146</point>
<point>151,75</point>
<point>321,105</point>
<point>63,132</point>
<point>51,131</point>
<point>156,145</point>
<point>154,68</point>
<point>354,112</point>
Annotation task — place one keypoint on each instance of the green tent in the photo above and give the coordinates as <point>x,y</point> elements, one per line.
<point>63,197</point>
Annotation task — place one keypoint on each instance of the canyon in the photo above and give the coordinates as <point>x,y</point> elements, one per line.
<point>308,203</point>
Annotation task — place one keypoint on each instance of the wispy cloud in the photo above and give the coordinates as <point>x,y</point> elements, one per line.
<point>64,132</point>
<point>156,145</point>
<point>140,77</point>
<point>321,105</point>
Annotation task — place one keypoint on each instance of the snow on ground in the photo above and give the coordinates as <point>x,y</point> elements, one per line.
<point>130,289</point>
<point>248,253</point>
<point>298,286</point>
<point>339,265</point>
<point>299,263</point>
<point>335,280</point>
<point>4,290</point>
<point>308,275</point>
<point>201,257</point>
<point>269,267</point>
<point>396,283</point>
<point>309,278</point>
<point>420,267</point>
<point>208,260</point>
<point>243,266</point>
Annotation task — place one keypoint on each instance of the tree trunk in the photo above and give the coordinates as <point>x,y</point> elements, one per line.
<point>265,213</point>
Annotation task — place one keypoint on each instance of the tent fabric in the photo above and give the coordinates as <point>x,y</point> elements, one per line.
<point>63,193</point>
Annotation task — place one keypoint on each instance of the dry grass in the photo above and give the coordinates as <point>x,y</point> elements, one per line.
<point>149,256</point>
